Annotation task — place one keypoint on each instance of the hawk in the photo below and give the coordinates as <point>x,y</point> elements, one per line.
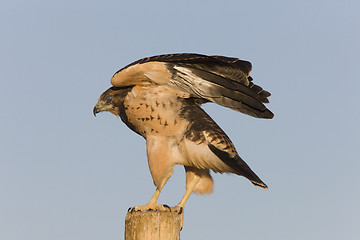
<point>160,98</point>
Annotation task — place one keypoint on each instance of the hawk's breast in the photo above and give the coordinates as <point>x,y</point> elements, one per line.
<point>155,110</point>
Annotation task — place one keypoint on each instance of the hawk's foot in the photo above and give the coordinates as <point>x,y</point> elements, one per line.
<point>177,209</point>
<point>150,207</point>
<point>180,211</point>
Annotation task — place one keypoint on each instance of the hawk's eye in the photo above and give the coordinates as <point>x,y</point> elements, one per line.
<point>108,98</point>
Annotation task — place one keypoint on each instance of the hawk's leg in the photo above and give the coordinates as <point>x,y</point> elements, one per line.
<point>189,189</point>
<point>198,181</point>
<point>161,170</point>
<point>152,204</point>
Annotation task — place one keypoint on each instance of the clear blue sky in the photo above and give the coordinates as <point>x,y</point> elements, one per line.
<point>67,175</point>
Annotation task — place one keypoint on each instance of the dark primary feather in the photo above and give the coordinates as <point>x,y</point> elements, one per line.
<point>239,165</point>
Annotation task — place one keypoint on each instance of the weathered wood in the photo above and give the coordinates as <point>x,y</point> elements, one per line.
<point>152,225</point>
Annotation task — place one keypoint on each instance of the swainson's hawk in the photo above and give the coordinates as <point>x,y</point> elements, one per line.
<point>159,98</point>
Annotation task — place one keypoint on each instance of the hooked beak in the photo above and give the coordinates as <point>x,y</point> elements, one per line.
<point>96,110</point>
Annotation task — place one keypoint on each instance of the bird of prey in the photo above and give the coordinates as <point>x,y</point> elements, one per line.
<point>160,98</point>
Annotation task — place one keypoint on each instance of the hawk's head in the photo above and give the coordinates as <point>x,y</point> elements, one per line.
<point>111,100</point>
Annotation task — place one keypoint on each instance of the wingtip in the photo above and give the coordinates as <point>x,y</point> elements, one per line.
<point>267,114</point>
<point>260,184</point>
<point>270,115</point>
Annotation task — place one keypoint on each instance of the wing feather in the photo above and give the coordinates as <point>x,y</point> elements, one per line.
<point>238,93</point>
<point>219,79</point>
<point>241,167</point>
<point>209,137</point>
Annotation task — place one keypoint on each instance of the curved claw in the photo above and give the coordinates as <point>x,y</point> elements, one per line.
<point>132,209</point>
<point>181,210</point>
<point>167,206</point>
<point>177,209</point>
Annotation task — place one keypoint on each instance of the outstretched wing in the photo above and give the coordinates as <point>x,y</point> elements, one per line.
<point>218,79</point>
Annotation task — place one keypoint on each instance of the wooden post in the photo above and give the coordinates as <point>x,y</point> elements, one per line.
<point>152,225</point>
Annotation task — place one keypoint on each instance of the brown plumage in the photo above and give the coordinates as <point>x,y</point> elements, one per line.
<point>159,98</point>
